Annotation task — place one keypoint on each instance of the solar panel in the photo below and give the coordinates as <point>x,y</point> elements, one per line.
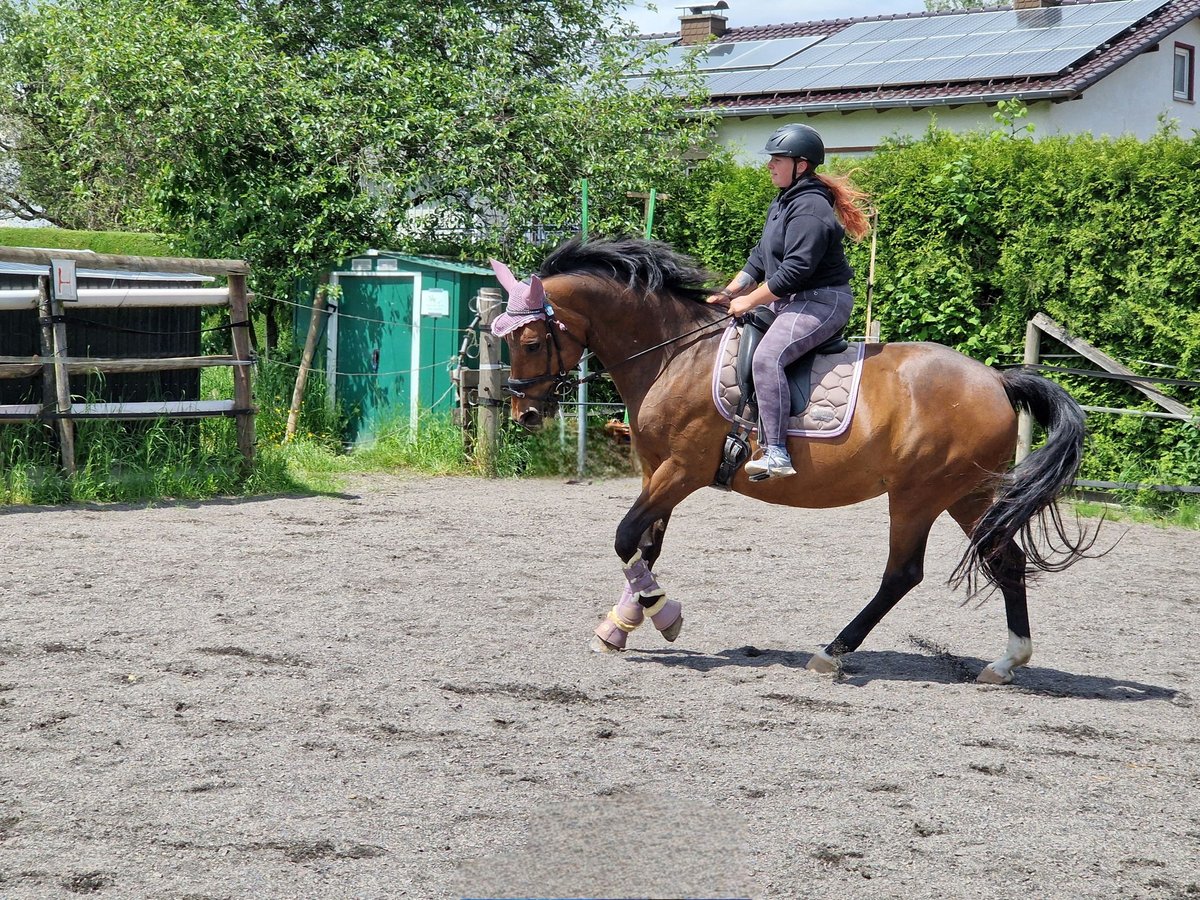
<point>964,47</point>
<point>729,55</point>
<point>759,54</point>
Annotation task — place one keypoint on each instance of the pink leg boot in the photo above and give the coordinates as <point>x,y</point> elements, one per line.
<point>621,619</point>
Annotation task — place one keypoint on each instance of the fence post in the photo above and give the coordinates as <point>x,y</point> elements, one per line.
<point>1033,353</point>
<point>490,389</point>
<point>49,389</point>
<point>51,310</point>
<point>243,395</point>
<point>582,419</point>
<point>310,346</point>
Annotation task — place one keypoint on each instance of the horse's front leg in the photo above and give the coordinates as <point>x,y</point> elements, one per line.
<point>638,544</point>
<point>642,596</point>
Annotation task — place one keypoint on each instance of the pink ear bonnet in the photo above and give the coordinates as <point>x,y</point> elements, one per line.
<point>525,301</point>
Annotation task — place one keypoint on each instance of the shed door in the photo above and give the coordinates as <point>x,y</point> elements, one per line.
<point>375,351</point>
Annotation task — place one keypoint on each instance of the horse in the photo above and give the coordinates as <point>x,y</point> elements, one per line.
<point>934,430</point>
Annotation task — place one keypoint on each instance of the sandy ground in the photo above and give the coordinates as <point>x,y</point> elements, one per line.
<point>388,693</point>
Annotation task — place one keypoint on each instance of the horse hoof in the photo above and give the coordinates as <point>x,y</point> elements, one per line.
<point>988,675</point>
<point>599,645</point>
<point>672,631</point>
<point>822,663</point>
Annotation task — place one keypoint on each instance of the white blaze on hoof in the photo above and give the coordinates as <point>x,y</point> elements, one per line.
<point>598,645</point>
<point>1019,652</point>
<point>988,675</point>
<point>823,663</point>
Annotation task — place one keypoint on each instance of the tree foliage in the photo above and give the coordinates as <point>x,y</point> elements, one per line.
<point>946,5</point>
<point>289,133</point>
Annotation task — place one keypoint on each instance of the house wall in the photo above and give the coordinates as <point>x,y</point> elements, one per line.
<point>1127,101</point>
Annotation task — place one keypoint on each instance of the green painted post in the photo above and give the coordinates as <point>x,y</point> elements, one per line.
<point>584,225</point>
<point>650,213</point>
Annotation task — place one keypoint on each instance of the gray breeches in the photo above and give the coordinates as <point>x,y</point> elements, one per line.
<point>803,321</point>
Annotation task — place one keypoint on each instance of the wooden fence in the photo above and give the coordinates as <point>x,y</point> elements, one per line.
<point>1172,408</point>
<point>57,364</point>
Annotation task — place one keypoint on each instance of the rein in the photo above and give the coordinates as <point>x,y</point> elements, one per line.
<point>563,381</point>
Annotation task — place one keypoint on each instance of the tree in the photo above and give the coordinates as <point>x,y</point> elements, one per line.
<point>946,5</point>
<point>295,133</point>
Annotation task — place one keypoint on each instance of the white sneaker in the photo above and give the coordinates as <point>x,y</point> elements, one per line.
<point>774,463</point>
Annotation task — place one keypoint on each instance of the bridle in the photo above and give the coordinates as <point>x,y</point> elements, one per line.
<point>563,381</point>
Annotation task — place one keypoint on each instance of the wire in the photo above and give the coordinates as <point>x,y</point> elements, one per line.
<point>344,315</point>
<point>448,364</point>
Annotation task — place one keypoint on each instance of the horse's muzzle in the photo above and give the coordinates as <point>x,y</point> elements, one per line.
<point>530,419</point>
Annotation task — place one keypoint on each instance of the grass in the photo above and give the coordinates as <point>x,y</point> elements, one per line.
<point>166,460</point>
<point>1177,513</point>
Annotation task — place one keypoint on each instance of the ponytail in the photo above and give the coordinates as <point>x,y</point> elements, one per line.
<point>848,204</point>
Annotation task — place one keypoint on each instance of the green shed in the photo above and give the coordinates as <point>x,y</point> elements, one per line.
<point>392,336</point>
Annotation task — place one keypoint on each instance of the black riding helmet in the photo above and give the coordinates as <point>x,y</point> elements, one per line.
<point>798,142</point>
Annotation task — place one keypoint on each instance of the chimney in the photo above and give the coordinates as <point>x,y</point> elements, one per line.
<point>702,23</point>
<point>1035,4</point>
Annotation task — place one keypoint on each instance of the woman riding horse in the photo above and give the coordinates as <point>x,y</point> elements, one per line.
<point>800,269</point>
<point>933,430</point>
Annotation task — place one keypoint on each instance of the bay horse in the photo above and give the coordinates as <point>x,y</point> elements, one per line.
<point>933,429</point>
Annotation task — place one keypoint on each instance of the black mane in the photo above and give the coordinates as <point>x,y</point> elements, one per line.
<point>649,266</point>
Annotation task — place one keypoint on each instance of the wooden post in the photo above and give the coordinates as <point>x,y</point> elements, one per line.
<point>243,395</point>
<point>871,331</point>
<point>649,202</point>
<point>1033,353</point>
<point>310,346</point>
<point>49,392</point>
<point>490,388</point>
<point>51,309</point>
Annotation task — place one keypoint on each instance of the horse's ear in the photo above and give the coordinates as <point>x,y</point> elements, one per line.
<point>504,275</point>
<point>537,293</point>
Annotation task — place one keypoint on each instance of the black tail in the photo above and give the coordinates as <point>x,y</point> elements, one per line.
<point>1025,496</point>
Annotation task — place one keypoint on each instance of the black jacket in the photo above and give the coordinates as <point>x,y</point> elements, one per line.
<point>801,243</point>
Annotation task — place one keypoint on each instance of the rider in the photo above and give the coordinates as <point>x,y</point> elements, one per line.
<point>800,268</point>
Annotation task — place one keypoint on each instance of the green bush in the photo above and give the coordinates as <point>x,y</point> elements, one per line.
<point>979,232</point>
<point>121,243</point>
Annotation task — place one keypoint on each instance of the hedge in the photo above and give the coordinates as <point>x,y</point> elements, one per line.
<point>122,243</point>
<point>978,232</point>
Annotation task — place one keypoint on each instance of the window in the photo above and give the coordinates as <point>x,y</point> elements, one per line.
<point>1185,72</point>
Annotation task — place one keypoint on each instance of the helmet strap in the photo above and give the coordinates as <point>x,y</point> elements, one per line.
<point>796,160</point>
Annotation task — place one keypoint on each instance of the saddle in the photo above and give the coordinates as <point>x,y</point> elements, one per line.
<point>799,378</point>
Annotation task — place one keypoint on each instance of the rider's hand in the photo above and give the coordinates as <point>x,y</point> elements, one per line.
<point>720,298</point>
<point>739,306</point>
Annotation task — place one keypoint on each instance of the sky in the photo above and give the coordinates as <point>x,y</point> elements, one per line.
<point>765,12</point>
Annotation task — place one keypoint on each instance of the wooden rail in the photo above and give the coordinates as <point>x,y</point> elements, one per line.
<point>28,366</point>
<point>56,366</point>
<point>123,298</point>
<point>39,256</point>
<point>1041,323</point>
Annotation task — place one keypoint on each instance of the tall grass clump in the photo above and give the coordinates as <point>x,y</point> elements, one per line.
<point>133,461</point>
<point>436,447</point>
<point>549,453</point>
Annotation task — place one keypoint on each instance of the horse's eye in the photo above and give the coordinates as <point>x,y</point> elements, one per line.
<point>532,348</point>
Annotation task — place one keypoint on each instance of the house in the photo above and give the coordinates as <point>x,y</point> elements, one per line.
<point>1108,67</point>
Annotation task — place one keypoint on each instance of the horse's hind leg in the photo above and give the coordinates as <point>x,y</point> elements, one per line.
<point>1008,570</point>
<point>904,571</point>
